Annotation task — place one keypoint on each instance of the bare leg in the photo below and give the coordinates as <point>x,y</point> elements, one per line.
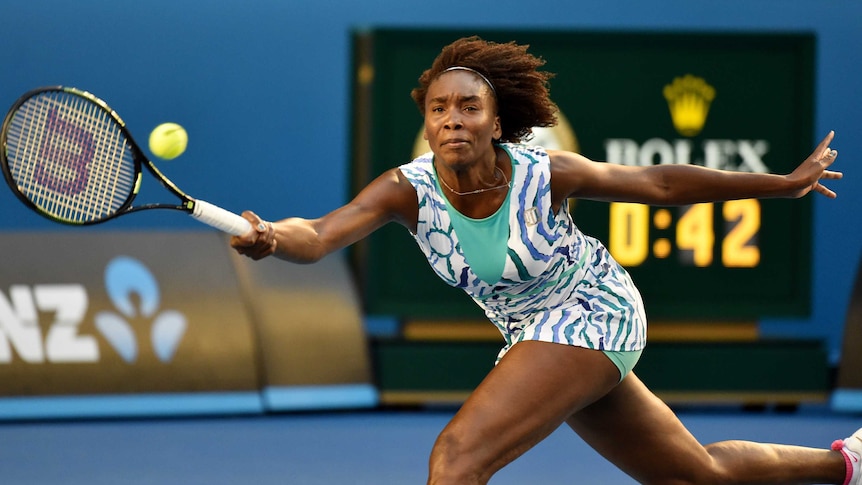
<point>637,432</point>
<point>523,399</point>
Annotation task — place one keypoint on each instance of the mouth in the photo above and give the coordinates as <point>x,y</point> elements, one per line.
<point>454,142</point>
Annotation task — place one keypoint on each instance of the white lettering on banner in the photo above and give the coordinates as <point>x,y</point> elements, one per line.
<point>127,282</point>
<point>735,155</point>
<point>19,325</point>
<point>63,342</point>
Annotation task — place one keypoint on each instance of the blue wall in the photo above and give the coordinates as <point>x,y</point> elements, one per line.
<point>263,88</point>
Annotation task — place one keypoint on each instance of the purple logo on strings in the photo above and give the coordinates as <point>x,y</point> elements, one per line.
<point>68,149</point>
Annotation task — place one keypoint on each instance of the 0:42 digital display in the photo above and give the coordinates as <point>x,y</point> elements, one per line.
<point>739,260</point>
<point>693,232</point>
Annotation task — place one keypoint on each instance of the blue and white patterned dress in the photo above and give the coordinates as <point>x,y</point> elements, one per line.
<point>558,285</point>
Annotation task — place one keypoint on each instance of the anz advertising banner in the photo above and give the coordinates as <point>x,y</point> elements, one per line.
<point>96,323</point>
<point>119,321</point>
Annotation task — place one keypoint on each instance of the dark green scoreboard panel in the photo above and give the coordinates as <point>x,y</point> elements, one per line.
<point>727,100</point>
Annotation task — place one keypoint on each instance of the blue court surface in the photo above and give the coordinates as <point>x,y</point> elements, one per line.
<point>369,447</point>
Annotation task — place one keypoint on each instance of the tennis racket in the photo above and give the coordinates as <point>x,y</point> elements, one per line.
<point>67,155</point>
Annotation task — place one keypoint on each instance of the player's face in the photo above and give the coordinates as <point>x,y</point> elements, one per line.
<point>460,118</point>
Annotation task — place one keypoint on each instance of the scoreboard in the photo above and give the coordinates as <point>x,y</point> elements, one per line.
<point>727,100</point>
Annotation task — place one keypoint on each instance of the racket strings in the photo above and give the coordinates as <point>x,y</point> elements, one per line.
<point>70,158</point>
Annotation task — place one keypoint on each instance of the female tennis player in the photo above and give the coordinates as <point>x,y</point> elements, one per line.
<point>491,215</point>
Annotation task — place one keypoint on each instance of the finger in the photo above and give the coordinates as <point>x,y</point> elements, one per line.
<point>828,156</point>
<point>259,225</point>
<point>265,244</point>
<point>251,237</point>
<point>822,189</point>
<point>823,146</point>
<point>831,174</point>
<point>255,220</point>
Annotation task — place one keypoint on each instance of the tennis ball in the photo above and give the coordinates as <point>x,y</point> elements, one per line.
<point>168,141</point>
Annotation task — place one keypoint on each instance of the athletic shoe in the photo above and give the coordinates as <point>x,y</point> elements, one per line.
<point>851,448</point>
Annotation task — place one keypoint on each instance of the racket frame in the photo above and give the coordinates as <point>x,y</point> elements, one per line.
<point>140,159</point>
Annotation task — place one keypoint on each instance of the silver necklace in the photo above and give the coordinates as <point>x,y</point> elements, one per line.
<point>477,191</point>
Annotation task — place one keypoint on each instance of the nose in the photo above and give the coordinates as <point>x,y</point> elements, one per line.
<point>453,122</point>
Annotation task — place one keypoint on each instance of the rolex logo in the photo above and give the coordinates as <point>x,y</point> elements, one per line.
<point>688,98</point>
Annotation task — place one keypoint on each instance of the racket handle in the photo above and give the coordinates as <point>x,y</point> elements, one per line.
<point>220,219</point>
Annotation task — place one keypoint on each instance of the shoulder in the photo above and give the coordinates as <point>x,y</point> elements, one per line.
<point>574,164</point>
<point>391,195</point>
<point>563,158</point>
<point>571,171</point>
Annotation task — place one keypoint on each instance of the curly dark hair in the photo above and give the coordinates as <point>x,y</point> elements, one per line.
<point>522,92</point>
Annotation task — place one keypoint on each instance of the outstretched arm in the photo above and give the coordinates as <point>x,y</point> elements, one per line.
<point>576,176</point>
<point>390,197</point>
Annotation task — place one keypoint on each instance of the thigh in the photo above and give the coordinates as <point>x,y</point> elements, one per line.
<point>641,435</point>
<point>530,393</point>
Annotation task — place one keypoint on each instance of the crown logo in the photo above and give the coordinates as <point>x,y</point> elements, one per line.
<point>688,98</point>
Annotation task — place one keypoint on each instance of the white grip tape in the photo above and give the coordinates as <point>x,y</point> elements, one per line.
<point>220,219</point>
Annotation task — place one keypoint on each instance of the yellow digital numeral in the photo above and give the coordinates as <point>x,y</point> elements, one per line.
<point>694,233</point>
<point>628,240</point>
<point>736,250</point>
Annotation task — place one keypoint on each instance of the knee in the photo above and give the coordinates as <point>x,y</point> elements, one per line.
<point>455,461</point>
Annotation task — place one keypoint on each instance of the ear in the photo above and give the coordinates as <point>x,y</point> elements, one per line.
<point>498,128</point>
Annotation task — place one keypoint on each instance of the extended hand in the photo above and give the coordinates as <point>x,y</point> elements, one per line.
<point>813,170</point>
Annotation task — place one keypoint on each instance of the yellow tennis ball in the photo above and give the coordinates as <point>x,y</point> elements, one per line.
<point>168,141</point>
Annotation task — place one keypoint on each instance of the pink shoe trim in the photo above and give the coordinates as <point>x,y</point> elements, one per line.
<point>838,445</point>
